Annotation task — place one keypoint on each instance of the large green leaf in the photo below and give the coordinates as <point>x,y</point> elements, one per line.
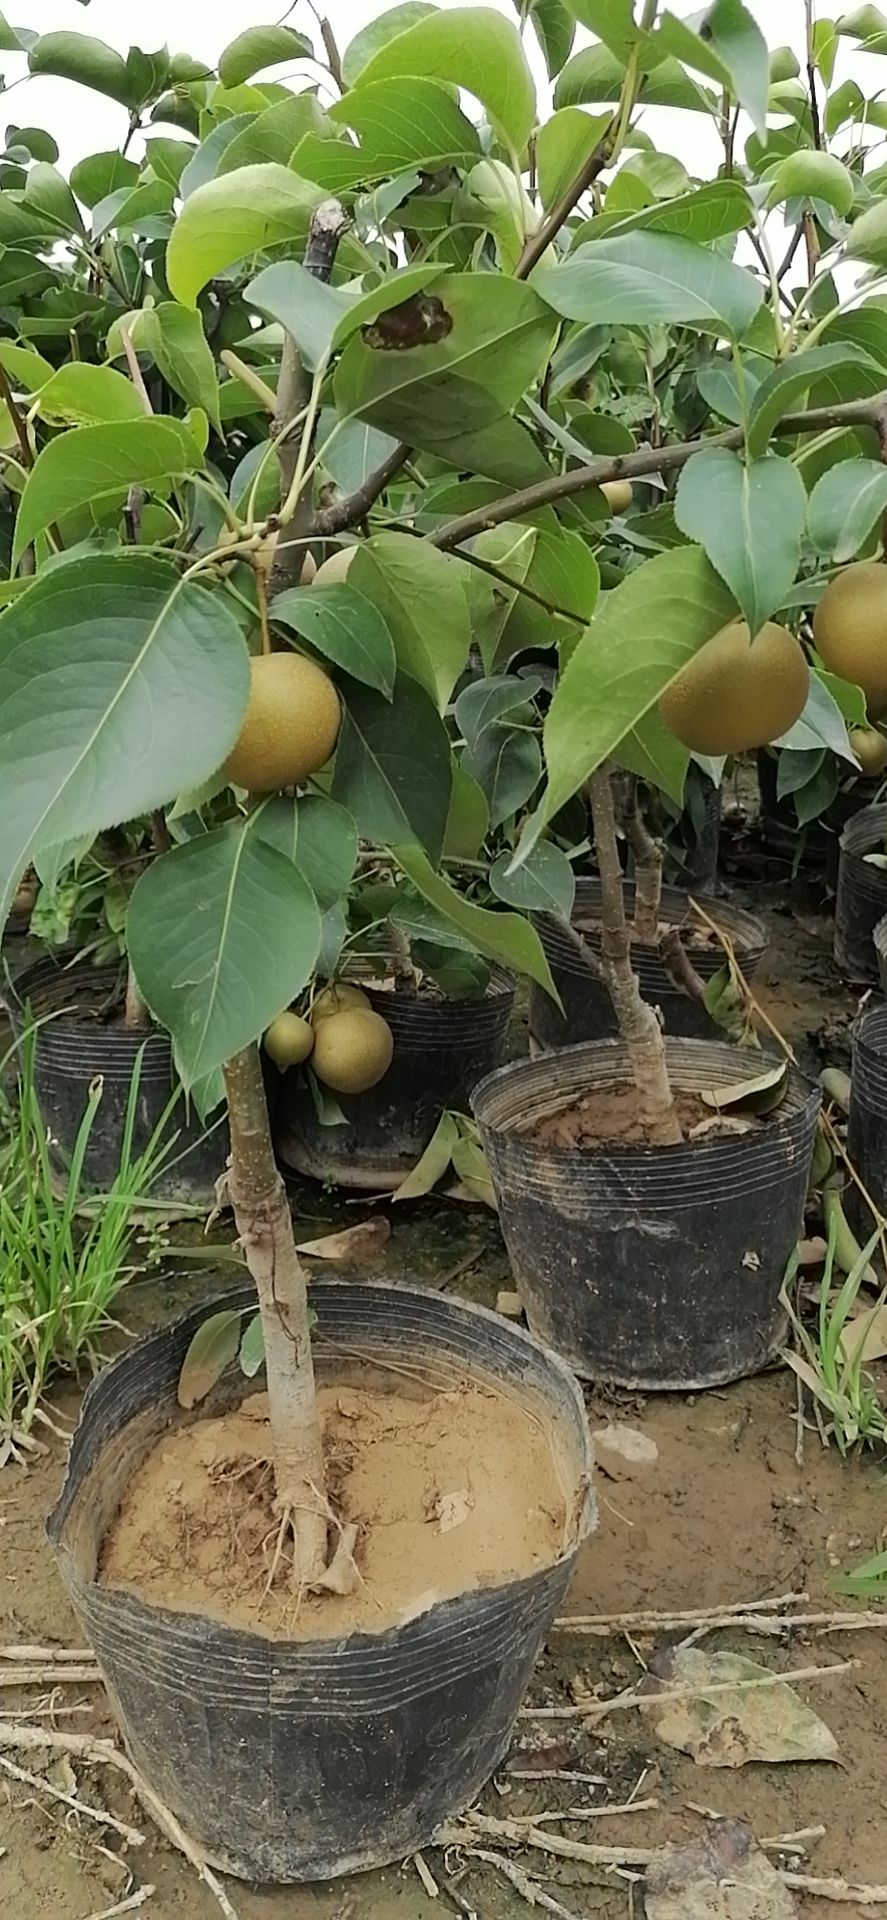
<point>258,48</point>
<point>708,213</point>
<point>319,835</point>
<point>641,278</point>
<point>322,318</point>
<point>669,607</point>
<point>175,339</point>
<point>749,516</point>
<point>99,174</point>
<point>81,394</point>
<point>787,384</point>
<point>400,123</point>
<point>544,884</point>
<point>418,592</point>
<point>470,47</point>
<point>27,368</point>
<point>104,663</point>
<point>555,31</point>
<point>563,144</point>
<point>813,176</point>
<point>595,74</point>
<point>460,355</point>
<point>47,193</point>
<point>651,751</point>
<point>76,56</point>
<point>345,627</point>
<point>378,32</point>
<point>393,768</point>
<point>505,938</point>
<point>223,932</point>
<point>846,505</point>
<point>94,466</point>
<point>510,549</point>
<point>727,45</point>
<point>239,214</point>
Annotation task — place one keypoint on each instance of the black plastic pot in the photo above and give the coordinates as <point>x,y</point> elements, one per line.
<point>74,1049</point>
<point>696,867</point>
<point>862,895</point>
<point>780,831</point>
<point>441,1049</point>
<point>656,1267</point>
<point>867,1124</point>
<point>588,1012</point>
<point>298,1760</point>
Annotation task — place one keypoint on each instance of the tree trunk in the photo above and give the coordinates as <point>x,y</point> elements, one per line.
<point>258,1197</point>
<point>638,1025</point>
<point>647,858</point>
<point>328,224</point>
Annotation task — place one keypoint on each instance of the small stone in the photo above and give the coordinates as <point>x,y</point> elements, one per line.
<point>623,1451</point>
<point>509,1305</point>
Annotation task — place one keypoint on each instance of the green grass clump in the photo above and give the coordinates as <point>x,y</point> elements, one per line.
<point>63,1260</point>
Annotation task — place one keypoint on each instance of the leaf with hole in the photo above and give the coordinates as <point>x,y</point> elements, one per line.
<point>104,662</point>
<point>214,1346</point>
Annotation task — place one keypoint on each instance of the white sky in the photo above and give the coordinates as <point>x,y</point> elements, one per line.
<point>84,122</point>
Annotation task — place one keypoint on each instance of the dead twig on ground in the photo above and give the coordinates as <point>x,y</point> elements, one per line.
<point>605,1623</point>
<point>49,1656</point>
<point>634,1697</point>
<point>100,1815</point>
<point>16,1676</point>
<point>103,1753</point>
<point>836,1889</point>
<point>586,1813</point>
<point>529,1889</point>
<point>130,1905</point>
<point>838,1621</point>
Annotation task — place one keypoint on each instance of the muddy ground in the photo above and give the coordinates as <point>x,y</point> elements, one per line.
<point>725,1514</point>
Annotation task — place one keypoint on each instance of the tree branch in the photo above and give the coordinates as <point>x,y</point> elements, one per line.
<point>634,466</point>
<point>354,507</point>
<point>647,857</point>
<point>535,246</point>
<point>328,224</point>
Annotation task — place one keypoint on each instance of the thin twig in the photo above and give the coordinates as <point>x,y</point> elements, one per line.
<point>95,1752</point>
<point>836,1889</point>
<point>131,1835</point>
<point>679,966</point>
<point>588,1813</point>
<point>635,466</point>
<point>50,1676</point>
<point>529,1889</point>
<point>135,1900</point>
<point>64,1656</point>
<point>591,1622</point>
<point>135,371</point>
<point>597,1710</point>
<point>354,507</point>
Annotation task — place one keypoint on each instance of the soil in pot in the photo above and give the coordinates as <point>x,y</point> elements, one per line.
<point>442,1048</point>
<point>612,1116</point>
<point>451,1491</point>
<point>84,1041</point>
<point>587,1008</point>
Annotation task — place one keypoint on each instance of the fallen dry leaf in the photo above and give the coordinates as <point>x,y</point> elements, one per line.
<point>360,1242</point>
<point>620,1451</point>
<point>723,1876</point>
<point>730,1729</point>
<point>866,1331</point>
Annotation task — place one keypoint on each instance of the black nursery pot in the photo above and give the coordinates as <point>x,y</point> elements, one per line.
<point>867,1123</point>
<point>298,1760</point>
<point>862,895</point>
<point>73,1050</point>
<point>696,867</point>
<point>588,1012</point>
<point>441,1049</point>
<point>649,1267</point>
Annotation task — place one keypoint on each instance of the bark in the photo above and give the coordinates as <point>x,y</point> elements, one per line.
<point>647,858</point>
<point>135,1016</point>
<point>262,1214</point>
<point>638,1025</point>
<point>294,387</point>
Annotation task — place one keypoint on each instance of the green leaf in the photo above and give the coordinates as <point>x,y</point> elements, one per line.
<point>474,48</point>
<point>319,835</point>
<point>104,663</point>
<point>868,235</point>
<point>640,278</point>
<point>355,453</point>
<point>252,1348</point>
<point>555,31</point>
<point>563,144</point>
<point>223,933</point>
<point>344,626</point>
<point>726,44</point>
<point>94,466</point>
<point>544,884</point>
<point>507,765</point>
<point>34,140</point>
<point>81,394</point>
<point>867,24</point>
<point>404,578</point>
<point>212,1349</point>
<point>377,33</point>
<point>76,56</point>
<point>510,548</point>
<point>460,356</point>
<point>651,751</point>
<point>432,1164</point>
<point>670,606</point>
<point>845,505</point>
<point>813,176</point>
<point>595,74</point>
<point>241,213</point>
<point>308,308</point>
<point>393,766</point>
<point>823,722</point>
<point>166,158</point>
<point>787,384</point>
<point>258,48</point>
<point>468,818</point>
<point>99,174</point>
<point>176,341</point>
<point>505,938</point>
<point>411,122</point>
<point>14,39</point>
<point>27,369</point>
<point>749,516</point>
<point>274,134</point>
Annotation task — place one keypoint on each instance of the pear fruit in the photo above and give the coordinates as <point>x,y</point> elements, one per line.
<point>352,1050</point>
<point>289,1040</point>
<point>338,998</point>
<point>850,630</point>
<point>870,748</point>
<point>291,724</point>
<point>737,693</point>
<point>618,494</point>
